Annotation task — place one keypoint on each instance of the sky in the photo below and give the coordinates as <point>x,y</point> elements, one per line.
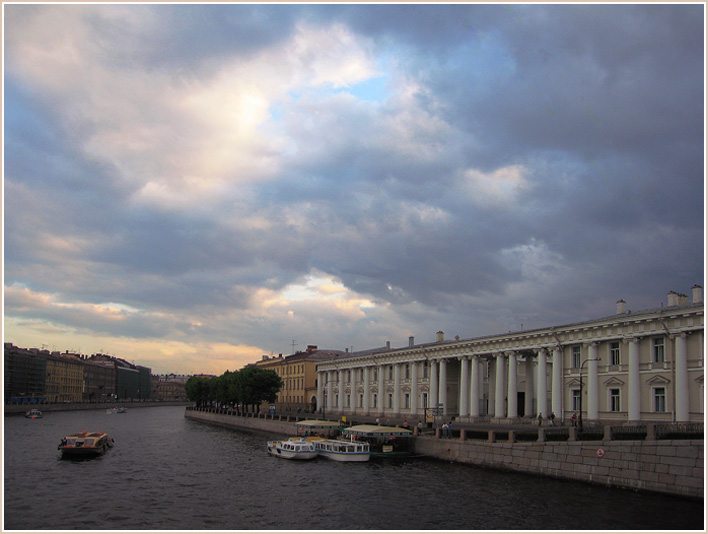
<point>191,187</point>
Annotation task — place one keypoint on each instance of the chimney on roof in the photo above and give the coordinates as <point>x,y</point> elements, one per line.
<point>388,345</point>
<point>672,298</point>
<point>440,336</point>
<point>311,349</point>
<point>683,299</point>
<point>411,341</point>
<point>697,294</point>
<point>621,307</point>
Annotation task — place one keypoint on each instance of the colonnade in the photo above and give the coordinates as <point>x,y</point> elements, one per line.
<point>378,388</point>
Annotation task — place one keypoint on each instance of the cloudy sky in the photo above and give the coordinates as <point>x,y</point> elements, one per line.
<point>193,186</point>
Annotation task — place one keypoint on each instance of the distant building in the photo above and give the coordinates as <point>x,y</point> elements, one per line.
<point>65,378</point>
<point>25,373</point>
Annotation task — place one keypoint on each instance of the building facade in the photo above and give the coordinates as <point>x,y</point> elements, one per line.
<point>299,375</point>
<point>628,367</point>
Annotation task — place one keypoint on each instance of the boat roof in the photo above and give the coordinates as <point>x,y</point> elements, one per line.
<point>315,423</point>
<point>85,434</point>
<point>377,430</point>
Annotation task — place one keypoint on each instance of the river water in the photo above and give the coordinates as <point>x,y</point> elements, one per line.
<point>170,473</point>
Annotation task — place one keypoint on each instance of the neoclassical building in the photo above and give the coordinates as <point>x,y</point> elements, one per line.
<point>628,367</point>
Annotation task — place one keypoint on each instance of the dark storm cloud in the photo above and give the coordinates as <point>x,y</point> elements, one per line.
<point>517,164</point>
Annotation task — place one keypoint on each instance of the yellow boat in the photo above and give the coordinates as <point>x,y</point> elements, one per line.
<point>85,444</point>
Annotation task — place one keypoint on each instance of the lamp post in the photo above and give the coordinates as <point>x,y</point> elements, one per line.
<point>580,403</point>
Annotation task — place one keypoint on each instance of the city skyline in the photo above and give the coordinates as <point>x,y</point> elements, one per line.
<point>194,186</point>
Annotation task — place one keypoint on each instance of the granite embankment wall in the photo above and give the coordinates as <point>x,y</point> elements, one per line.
<point>282,427</point>
<point>668,466</point>
<point>671,466</point>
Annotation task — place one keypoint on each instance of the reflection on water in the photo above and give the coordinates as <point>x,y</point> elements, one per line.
<point>169,473</point>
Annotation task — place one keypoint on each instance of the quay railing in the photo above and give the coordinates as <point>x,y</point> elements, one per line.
<point>650,431</point>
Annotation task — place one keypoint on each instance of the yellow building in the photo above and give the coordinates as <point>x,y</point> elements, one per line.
<point>65,378</point>
<point>299,374</point>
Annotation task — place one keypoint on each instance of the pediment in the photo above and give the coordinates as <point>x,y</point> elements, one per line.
<point>658,381</point>
<point>614,381</point>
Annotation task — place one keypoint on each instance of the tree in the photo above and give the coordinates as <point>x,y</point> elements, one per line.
<point>197,390</point>
<point>254,385</point>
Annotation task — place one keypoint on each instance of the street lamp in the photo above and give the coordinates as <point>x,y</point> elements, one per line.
<point>580,403</point>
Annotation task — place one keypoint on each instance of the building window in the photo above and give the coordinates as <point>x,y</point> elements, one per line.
<point>361,374</point>
<point>658,350</point>
<point>425,400</point>
<point>376,374</point>
<point>575,363</point>
<point>349,401</point>
<point>361,400</point>
<point>575,401</point>
<point>407,371</point>
<point>390,372</point>
<point>390,400</point>
<point>425,369</point>
<point>349,376</point>
<point>660,399</point>
<point>407,400</point>
<point>374,399</point>
<point>615,353</point>
<point>615,405</point>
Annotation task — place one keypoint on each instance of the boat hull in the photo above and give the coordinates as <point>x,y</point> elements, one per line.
<point>84,444</point>
<point>346,457</point>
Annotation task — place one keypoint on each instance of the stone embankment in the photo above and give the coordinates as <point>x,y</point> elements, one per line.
<point>650,461</point>
<point>21,409</point>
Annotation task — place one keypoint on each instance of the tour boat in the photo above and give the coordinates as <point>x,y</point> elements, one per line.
<point>85,444</point>
<point>342,451</point>
<point>33,414</point>
<point>293,449</point>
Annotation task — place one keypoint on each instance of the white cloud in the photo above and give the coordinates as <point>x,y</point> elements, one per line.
<point>501,187</point>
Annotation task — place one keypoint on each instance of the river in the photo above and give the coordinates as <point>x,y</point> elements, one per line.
<point>170,473</point>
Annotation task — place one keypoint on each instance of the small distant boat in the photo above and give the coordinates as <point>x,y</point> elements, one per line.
<point>85,444</point>
<point>342,451</point>
<point>293,449</point>
<point>34,413</point>
<point>111,410</point>
<point>122,410</point>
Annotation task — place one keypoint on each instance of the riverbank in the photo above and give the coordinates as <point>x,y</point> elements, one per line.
<point>670,466</point>
<point>21,409</point>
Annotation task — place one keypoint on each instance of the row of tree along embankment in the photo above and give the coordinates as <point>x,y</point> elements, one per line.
<point>659,458</point>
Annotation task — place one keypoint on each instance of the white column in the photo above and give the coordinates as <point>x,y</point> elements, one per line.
<point>512,404</point>
<point>464,386</point>
<point>320,388</point>
<point>367,389</point>
<point>474,389</point>
<point>633,405</point>
<point>330,386</point>
<point>593,388</point>
<point>434,385</point>
<point>530,379</point>
<point>499,386</point>
<point>557,383</point>
<point>442,390</point>
<point>397,388</point>
<point>382,393</point>
<point>340,399</point>
<point>542,383</point>
<point>354,396</point>
<point>414,388</point>
<point>682,404</point>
